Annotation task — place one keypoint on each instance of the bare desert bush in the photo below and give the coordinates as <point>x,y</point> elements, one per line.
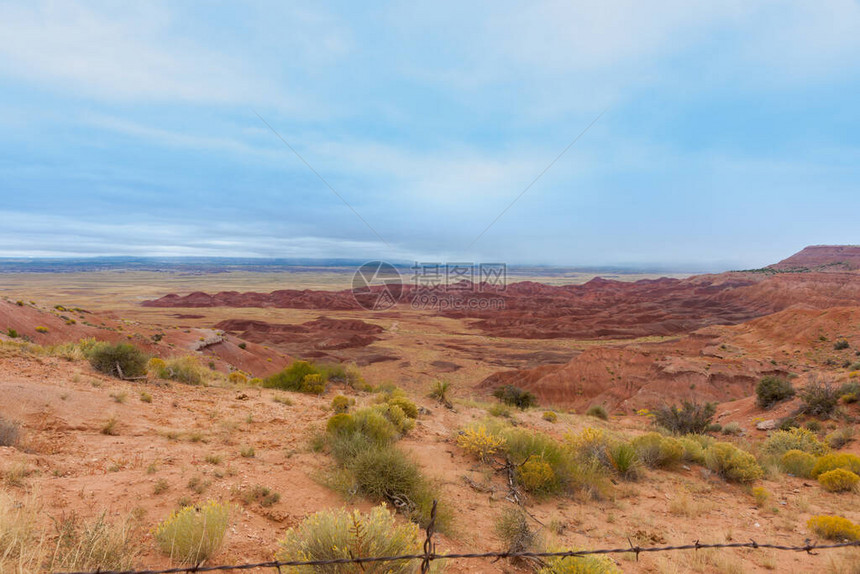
<point>690,418</point>
<point>513,529</point>
<point>340,534</point>
<point>95,545</point>
<point>820,397</point>
<point>21,546</point>
<point>840,437</point>
<point>259,494</point>
<point>77,544</point>
<point>9,432</point>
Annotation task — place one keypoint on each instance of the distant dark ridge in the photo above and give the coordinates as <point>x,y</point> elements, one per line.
<point>227,264</point>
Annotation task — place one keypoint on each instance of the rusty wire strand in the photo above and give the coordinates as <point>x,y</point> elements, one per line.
<point>429,555</point>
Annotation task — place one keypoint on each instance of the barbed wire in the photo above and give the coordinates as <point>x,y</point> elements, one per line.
<point>429,555</point>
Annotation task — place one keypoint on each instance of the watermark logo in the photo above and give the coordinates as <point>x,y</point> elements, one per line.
<point>377,286</point>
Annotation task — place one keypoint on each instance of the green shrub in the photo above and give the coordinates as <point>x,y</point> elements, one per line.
<point>183,370</point>
<point>833,461</point>
<point>690,418</point>
<point>694,447</point>
<point>194,533</point>
<point>549,416</point>
<point>341,423</point>
<point>516,397</point>
<point>813,426</point>
<point>385,474</point>
<point>658,451</point>
<point>782,441</point>
<point>237,378</point>
<point>834,528</point>
<point>374,425</point>
<point>787,423</point>
<point>838,480</point>
<point>500,410</point>
<point>345,446</point>
<point>841,345</point>
<point>396,417</point>
<point>731,463</point>
<point>12,333</point>
<point>339,534</point>
<point>771,390</point>
<point>850,392</point>
<point>439,391</point>
<point>625,460</point>
<point>409,408</point>
<point>313,384</point>
<point>122,360</point>
<point>340,404</point>
<point>819,398</point>
<point>300,376</point>
<point>732,429</point>
<point>797,463</point>
<point>597,411</point>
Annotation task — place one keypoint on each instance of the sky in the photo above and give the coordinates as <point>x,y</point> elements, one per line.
<point>722,134</point>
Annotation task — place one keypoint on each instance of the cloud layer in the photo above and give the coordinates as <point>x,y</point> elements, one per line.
<point>730,133</point>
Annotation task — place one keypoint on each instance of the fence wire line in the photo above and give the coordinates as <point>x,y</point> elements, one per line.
<point>429,555</point>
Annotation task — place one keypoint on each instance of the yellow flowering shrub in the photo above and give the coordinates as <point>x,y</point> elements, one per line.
<point>477,441</point>
<point>833,527</point>
<point>193,533</point>
<point>838,480</point>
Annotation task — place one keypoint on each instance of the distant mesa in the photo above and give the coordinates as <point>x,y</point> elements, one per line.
<point>819,276</point>
<point>822,258</point>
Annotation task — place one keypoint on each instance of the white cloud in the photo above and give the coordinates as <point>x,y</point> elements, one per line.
<point>140,52</point>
